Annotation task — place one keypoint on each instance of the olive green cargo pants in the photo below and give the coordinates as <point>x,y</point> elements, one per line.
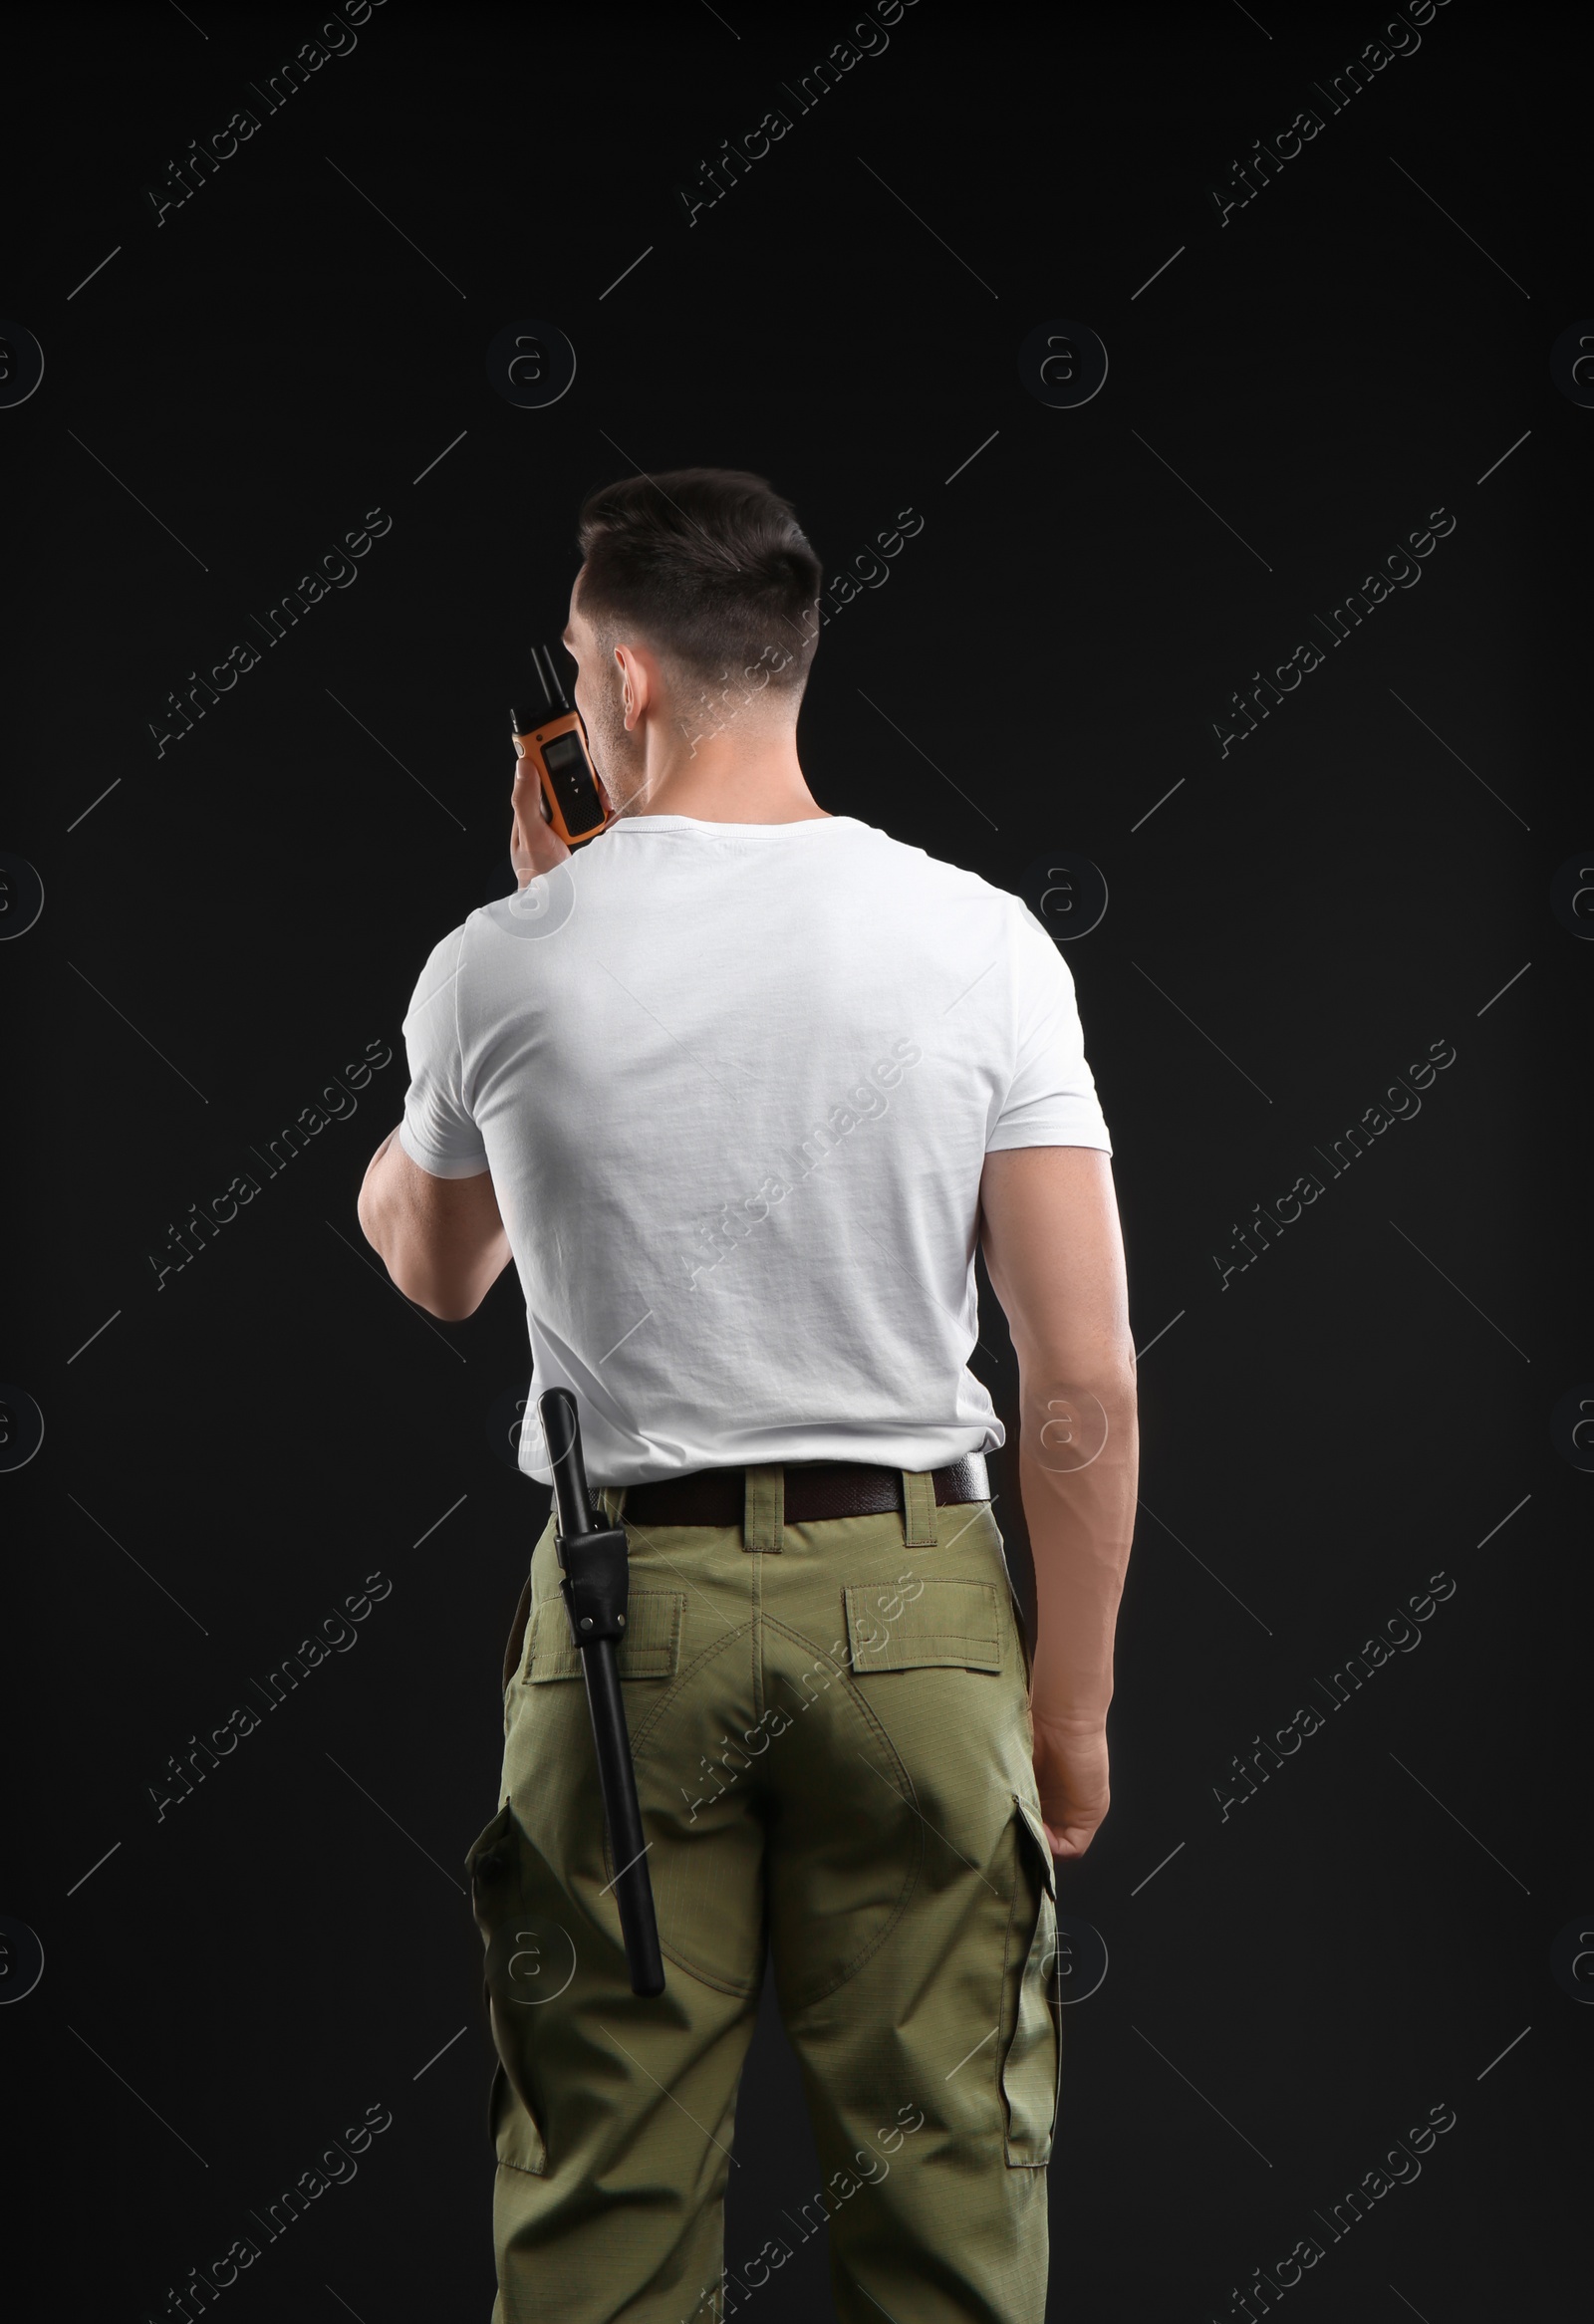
<point>831,1729</point>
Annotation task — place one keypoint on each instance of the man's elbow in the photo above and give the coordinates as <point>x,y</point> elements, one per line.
<point>1101,1368</point>
<point>451,1299</point>
<point>448,1306</point>
<point>451,1290</point>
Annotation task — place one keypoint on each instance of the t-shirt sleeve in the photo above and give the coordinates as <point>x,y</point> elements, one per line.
<point>436,1131</point>
<point>1052,1098</point>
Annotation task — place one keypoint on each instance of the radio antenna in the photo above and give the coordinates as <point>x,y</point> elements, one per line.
<point>551,684</point>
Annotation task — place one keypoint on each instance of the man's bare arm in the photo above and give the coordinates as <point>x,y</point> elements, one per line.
<point>442,1239</point>
<point>1054,1250</point>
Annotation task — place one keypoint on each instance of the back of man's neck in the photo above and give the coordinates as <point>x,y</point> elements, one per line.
<point>732,787</point>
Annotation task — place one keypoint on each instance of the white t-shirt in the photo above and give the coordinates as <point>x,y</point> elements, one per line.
<point>736,1083</point>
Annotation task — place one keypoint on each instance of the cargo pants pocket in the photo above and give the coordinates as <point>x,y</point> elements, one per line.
<point>651,1648</point>
<point>1032,2028</point>
<point>513,1970</point>
<point>931,1624</point>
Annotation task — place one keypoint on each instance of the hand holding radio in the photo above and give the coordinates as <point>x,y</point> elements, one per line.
<point>534,845</point>
<point>558,800</point>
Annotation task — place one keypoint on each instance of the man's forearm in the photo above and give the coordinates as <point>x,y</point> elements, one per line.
<point>1078,1472</point>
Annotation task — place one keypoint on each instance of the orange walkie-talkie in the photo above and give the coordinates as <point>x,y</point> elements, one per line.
<point>556,745</point>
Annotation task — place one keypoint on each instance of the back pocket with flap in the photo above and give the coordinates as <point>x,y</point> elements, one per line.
<point>893,1626</point>
<point>651,1648</point>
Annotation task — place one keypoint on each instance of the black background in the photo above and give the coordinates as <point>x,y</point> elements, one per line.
<point>1368,873</point>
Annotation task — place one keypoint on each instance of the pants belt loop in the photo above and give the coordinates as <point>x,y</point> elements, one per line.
<point>918,1508</point>
<point>612,1501</point>
<point>764,1508</point>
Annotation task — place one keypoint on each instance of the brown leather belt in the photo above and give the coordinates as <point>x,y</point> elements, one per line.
<point>814,1489</point>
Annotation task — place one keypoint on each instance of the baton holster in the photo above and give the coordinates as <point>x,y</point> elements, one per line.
<point>596,1592</point>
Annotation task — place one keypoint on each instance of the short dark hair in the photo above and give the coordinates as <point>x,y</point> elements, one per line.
<point>712,566</point>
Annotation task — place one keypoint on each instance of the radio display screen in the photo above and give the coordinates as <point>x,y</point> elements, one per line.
<point>571,782</point>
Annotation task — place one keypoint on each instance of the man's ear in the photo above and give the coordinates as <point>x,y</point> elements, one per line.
<point>639,680</point>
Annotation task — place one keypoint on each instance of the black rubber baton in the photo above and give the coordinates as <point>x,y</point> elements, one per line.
<point>596,1580</point>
